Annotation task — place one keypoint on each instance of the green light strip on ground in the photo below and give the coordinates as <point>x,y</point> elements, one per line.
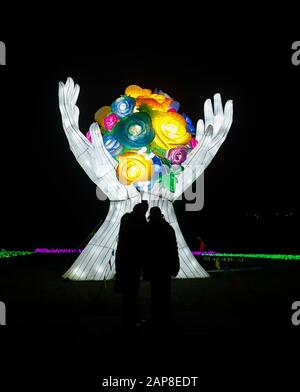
<point>11,253</point>
<point>256,256</point>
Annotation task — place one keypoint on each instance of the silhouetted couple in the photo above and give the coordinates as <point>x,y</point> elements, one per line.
<point>148,250</point>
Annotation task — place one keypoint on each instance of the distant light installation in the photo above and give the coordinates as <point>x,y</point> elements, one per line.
<point>140,148</point>
<point>57,250</point>
<point>250,255</point>
<point>12,253</point>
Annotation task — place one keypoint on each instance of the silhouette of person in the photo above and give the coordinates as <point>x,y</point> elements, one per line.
<point>128,262</point>
<point>161,263</point>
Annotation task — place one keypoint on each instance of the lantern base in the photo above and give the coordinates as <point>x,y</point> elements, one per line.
<point>97,260</point>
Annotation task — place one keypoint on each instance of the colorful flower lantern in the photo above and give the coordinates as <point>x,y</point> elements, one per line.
<point>148,123</point>
<point>141,148</point>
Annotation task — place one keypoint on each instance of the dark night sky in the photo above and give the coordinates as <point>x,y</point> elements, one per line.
<point>47,199</point>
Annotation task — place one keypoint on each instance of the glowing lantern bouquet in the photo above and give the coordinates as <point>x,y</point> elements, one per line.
<point>146,142</point>
<point>145,133</point>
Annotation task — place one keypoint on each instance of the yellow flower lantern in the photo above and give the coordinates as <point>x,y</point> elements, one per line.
<point>170,130</point>
<point>134,167</point>
<point>135,91</point>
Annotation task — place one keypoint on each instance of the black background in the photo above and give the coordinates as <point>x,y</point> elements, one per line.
<point>47,199</point>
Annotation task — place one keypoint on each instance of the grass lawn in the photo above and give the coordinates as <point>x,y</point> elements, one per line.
<point>232,309</point>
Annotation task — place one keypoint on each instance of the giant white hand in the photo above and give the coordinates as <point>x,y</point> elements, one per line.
<point>93,157</point>
<point>210,134</point>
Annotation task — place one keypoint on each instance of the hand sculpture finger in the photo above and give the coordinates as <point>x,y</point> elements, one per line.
<point>210,136</point>
<point>218,105</point>
<point>208,113</point>
<point>199,131</point>
<point>79,145</point>
<point>212,148</point>
<point>67,98</point>
<point>224,125</point>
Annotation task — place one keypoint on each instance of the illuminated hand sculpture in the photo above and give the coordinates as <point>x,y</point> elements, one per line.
<point>96,262</point>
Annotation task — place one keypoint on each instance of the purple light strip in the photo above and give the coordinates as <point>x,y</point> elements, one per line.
<point>58,250</point>
<point>199,253</point>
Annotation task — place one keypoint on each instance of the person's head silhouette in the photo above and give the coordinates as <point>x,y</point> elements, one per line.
<point>141,208</point>
<point>155,214</point>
